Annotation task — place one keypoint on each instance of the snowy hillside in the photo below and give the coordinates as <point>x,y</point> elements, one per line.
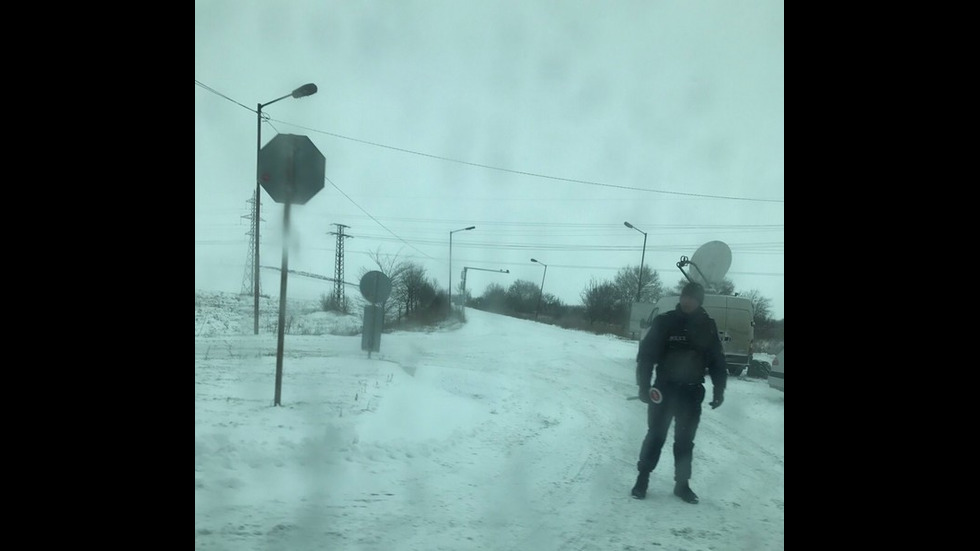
<point>220,313</point>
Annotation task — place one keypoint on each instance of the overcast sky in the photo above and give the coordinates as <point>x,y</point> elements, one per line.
<point>544,124</point>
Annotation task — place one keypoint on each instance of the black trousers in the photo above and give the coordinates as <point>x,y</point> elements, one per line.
<point>681,404</point>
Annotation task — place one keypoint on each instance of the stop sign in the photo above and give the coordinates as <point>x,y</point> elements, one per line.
<point>291,169</point>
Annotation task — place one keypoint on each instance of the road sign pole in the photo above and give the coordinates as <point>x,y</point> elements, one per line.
<point>255,222</point>
<point>291,169</point>
<point>282,300</point>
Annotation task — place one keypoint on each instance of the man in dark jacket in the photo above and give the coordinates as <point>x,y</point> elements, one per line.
<point>683,344</point>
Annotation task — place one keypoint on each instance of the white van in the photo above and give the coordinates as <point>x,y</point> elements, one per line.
<point>776,373</point>
<point>736,328</point>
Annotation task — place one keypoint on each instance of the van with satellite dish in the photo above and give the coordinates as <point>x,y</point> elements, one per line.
<point>734,315</point>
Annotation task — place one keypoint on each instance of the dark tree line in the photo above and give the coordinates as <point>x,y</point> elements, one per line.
<point>415,297</point>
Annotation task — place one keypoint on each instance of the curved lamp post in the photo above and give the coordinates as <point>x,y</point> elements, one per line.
<point>451,263</point>
<point>639,276</point>
<point>301,92</point>
<point>541,292</point>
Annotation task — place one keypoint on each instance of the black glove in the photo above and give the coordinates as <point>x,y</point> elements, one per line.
<point>644,394</point>
<point>718,397</point>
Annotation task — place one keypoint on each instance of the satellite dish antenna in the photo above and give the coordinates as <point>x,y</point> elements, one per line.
<point>711,262</point>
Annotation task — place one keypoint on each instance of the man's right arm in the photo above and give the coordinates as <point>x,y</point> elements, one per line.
<point>647,355</point>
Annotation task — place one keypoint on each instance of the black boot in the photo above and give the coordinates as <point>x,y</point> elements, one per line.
<point>683,491</point>
<point>639,490</point>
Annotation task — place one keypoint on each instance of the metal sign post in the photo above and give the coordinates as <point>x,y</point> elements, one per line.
<point>291,170</point>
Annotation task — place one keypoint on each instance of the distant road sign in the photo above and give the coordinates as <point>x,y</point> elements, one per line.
<point>376,287</point>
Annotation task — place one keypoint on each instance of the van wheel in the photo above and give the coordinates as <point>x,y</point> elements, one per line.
<point>759,369</point>
<point>735,370</point>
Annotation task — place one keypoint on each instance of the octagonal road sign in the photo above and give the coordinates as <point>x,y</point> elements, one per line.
<point>291,169</point>
<point>376,287</point>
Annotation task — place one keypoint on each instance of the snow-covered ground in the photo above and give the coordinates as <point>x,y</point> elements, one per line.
<point>499,434</point>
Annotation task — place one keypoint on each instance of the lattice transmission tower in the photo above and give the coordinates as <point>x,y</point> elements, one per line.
<point>248,278</point>
<point>338,292</point>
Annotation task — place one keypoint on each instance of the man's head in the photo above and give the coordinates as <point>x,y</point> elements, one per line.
<point>692,297</point>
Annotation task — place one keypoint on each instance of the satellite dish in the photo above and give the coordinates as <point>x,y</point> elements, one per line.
<point>711,262</point>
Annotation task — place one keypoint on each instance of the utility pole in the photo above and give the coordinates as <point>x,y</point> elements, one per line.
<point>540,292</point>
<point>639,275</point>
<point>451,263</point>
<point>338,292</point>
<point>248,279</point>
<point>301,92</point>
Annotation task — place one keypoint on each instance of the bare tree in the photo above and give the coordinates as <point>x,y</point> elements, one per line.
<point>603,302</point>
<point>522,296</point>
<point>551,305</point>
<point>394,268</point>
<point>415,290</point>
<point>493,299</point>
<point>627,282</point>
<point>390,265</point>
<point>761,306</point>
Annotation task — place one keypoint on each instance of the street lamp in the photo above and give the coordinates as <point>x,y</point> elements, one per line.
<point>639,277</point>
<point>301,92</point>
<point>451,263</point>
<point>541,292</point>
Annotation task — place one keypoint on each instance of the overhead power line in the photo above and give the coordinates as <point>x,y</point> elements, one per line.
<point>497,168</point>
<point>375,219</point>
<point>532,174</point>
<point>589,267</point>
<point>587,225</point>
<point>213,91</point>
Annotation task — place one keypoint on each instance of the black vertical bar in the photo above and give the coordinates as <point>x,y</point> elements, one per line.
<point>255,273</point>
<point>282,299</point>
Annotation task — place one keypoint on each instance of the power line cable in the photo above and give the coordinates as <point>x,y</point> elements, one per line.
<point>533,174</point>
<point>213,91</point>
<point>601,225</point>
<point>583,267</point>
<point>501,169</point>
<point>369,215</point>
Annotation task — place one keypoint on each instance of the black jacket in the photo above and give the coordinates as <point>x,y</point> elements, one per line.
<point>683,347</point>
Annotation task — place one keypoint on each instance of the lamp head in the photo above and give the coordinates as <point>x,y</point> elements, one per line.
<point>304,90</point>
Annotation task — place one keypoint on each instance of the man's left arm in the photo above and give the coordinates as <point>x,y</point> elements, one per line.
<point>717,368</point>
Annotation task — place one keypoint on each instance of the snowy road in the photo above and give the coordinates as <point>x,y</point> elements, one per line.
<point>501,435</point>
